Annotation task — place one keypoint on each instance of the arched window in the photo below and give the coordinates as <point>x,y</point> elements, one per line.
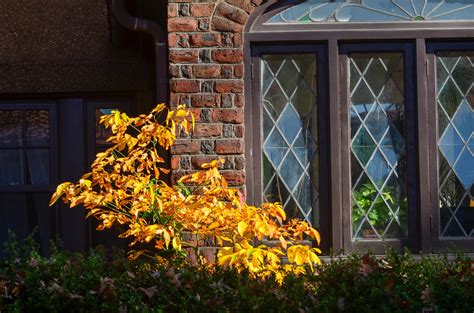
<point>365,111</point>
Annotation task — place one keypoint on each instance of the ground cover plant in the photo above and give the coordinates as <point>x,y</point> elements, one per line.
<point>65,282</point>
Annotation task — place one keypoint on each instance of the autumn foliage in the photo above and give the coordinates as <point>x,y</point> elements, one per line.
<point>126,186</point>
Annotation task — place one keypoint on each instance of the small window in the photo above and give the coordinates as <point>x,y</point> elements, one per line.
<point>24,147</point>
<point>27,170</point>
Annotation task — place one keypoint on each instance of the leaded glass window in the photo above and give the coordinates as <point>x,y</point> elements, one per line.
<point>317,11</point>
<point>455,102</point>
<point>378,158</point>
<point>289,132</point>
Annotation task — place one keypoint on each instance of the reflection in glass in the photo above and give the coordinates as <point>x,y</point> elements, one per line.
<point>11,128</point>
<point>455,81</point>
<point>37,128</point>
<point>289,128</point>
<point>378,161</point>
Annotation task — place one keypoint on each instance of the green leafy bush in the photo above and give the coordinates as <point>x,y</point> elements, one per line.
<point>66,282</point>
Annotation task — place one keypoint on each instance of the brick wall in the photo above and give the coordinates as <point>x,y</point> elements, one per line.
<point>206,73</point>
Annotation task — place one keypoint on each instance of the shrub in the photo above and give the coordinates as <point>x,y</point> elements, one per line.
<point>67,282</point>
<point>125,186</point>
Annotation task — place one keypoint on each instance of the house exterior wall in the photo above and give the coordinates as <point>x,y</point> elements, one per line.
<point>64,46</point>
<point>206,73</point>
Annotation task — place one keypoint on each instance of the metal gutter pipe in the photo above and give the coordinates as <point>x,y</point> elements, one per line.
<point>160,39</point>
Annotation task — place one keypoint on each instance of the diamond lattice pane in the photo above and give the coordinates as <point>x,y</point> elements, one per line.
<point>289,129</point>
<point>455,143</point>
<point>378,162</point>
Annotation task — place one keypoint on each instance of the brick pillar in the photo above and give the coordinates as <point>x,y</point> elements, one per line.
<point>206,74</point>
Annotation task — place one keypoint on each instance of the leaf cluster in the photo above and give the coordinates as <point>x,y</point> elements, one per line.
<point>125,187</point>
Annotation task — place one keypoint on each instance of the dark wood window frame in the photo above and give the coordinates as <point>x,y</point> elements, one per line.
<point>319,51</point>
<point>431,70</point>
<point>419,35</point>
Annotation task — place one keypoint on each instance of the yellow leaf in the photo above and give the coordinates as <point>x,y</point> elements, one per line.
<point>176,243</point>
<point>167,238</point>
<point>59,192</point>
<point>213,225</point>
<point>241,227</point>
<point>283,242</point>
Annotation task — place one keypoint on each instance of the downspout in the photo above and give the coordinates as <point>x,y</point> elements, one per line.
<point>160,39</point>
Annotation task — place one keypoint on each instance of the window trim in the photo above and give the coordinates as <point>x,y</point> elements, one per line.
<point>420,35</point>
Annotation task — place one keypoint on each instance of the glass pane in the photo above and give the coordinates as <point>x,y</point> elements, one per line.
<point>11,167</point>
<point>37,128</point>
<point>11,128</point>
<point>25,214</point>
<point>38,166</point>
<point>311,11</point>
<point>377,113</point>
<point>289,129</point>
<point>101,134</point>
<point>456,143</point>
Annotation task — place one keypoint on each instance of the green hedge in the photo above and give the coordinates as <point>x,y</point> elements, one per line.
<point>67,282</point>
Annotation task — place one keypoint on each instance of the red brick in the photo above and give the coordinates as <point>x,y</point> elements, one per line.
<point>238,42</point>
<point>227,56</point>
<point>239,162</point>
<point>196,113</point>
<point>174,162</point>
<point>229,146</point>
<point>182,24</point>
<point>174,71</point>
<point>172,10</point>
<point>239,131</point>
<point>206,71</point>
<point>187,86</point>
<point>235,178</point>
<point>173,39</point>
<point>226,71</point>
<point>185,146</point>
<point>225,86</point>
<point>183,56</point>
<point>243,4</point>
<point>205,40</point>
<point>207,100</point>
<point>239,100</point>
<point>235,116</point>
<point>231,12</point>
<point>224,25</point>
<point>207,130</point>
<point>198,160</point>
<point>239,71</point>
<point>202,9</point>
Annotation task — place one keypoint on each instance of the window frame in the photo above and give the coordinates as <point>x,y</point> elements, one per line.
<point>378,246</point>
<point>51,106</point>
<point>333,35</point>
<point>254,180</point>
<point>438,244</point>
